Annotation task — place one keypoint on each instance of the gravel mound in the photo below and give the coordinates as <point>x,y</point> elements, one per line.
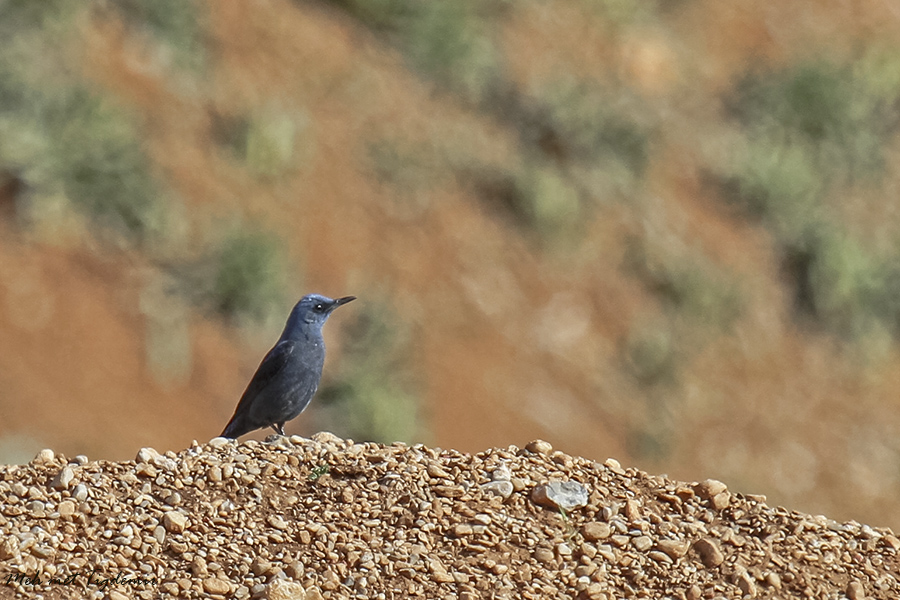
<point>328,518</point>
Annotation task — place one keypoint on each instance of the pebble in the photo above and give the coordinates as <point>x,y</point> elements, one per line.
<point>43,457</point>
<point>855,591</point>
<point>642,543</point>
<point>146,455</point>
<point>504,489</point>
<point>539,447</point>
<point>399,521</point>
<point>214,585</point>
<point>276,522</point>
<point>567,495</point>
<point>281,589</point>
<point>746,583</point>
<point>709,488</point>
<point>892,542</point>
<point>674,549</point>
<point>501,474</point>
<point>709,552</point>
<point>174,521</point>
<point>63,478</point>
<point>80,493</point>
<point>66,508</point>
<point>544,555</point>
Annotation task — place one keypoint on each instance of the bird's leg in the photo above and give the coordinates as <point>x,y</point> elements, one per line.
<point>279,428</point>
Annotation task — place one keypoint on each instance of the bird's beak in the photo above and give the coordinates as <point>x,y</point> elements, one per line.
<point>343,300</point>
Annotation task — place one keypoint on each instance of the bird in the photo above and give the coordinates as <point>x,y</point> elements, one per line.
<point>289,374</point>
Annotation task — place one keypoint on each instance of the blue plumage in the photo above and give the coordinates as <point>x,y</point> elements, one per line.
<point>289,374</point>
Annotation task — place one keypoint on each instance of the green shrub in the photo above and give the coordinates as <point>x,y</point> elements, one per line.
<point>650,354</point>
<point>811,133</point>
<point>249,278</point>
<point>850,291</point>
<point>179,24</point>
<point>449,42</point>
<point>265,140</point>
<point>534,195</point>
<point>578,121</point>
<point>73,141</point>
<point>689,284</point>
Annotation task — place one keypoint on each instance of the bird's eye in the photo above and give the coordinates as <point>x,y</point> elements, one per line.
<point>319,307</point>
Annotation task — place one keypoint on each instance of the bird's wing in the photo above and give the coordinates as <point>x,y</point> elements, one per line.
<point>272,364</point>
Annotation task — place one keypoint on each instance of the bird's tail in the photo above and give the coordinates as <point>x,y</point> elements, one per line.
<point>233,430</point>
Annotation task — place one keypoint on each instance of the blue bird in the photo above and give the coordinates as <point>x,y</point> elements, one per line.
<point>289,374</point>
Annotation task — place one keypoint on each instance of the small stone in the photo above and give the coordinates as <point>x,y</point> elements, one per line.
<point>66,508</point>
<point>544,555</point>
<point>694,593</point>
<point>281,589</point>
<point>721,500</point>
<point>439,572</point>
<point>145,470</point>
<point>519,484</point>
<point>673,548</point>
<point>614,466</point>
<point>773,580</point>
<point>642,543</point>
<point>892,541</point>
<point>117,595</point>
<point>219,442</point>
<point>80,493</point>
<point>632,510</point>
<point>214,474</point>
<point>501,474</point>
<point>260,566</point>
<point>43,457</point>
<point>567,495</point>
<point>501,488</point>
<point>314,593</point>
<point>198,567</point>
<point>295,570</point>
<point>63,479</point>
<point>593,591</point>
<point>709,488</point>
<point>709,552</point>
<point>449,491</point>
<point>435,470</point>
<point>214,585</point>
<point>539,447</point>
<point>855,591</point>
<point>595,531</point>
<point>276,522</point>
<point>146,455</point>
<point>746,584</point>
<point>174,521</point>
<point>462,529</point>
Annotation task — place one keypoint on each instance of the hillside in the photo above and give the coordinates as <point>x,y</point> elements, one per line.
<point>329,518</point>
<point>663,231</point>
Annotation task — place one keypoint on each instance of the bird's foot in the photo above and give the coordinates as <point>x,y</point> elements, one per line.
<point>278,440</point>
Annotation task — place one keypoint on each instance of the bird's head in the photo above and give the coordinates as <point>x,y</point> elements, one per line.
<point>314,309</point>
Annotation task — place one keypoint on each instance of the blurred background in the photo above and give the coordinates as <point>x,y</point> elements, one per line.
<point>664,231</point>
